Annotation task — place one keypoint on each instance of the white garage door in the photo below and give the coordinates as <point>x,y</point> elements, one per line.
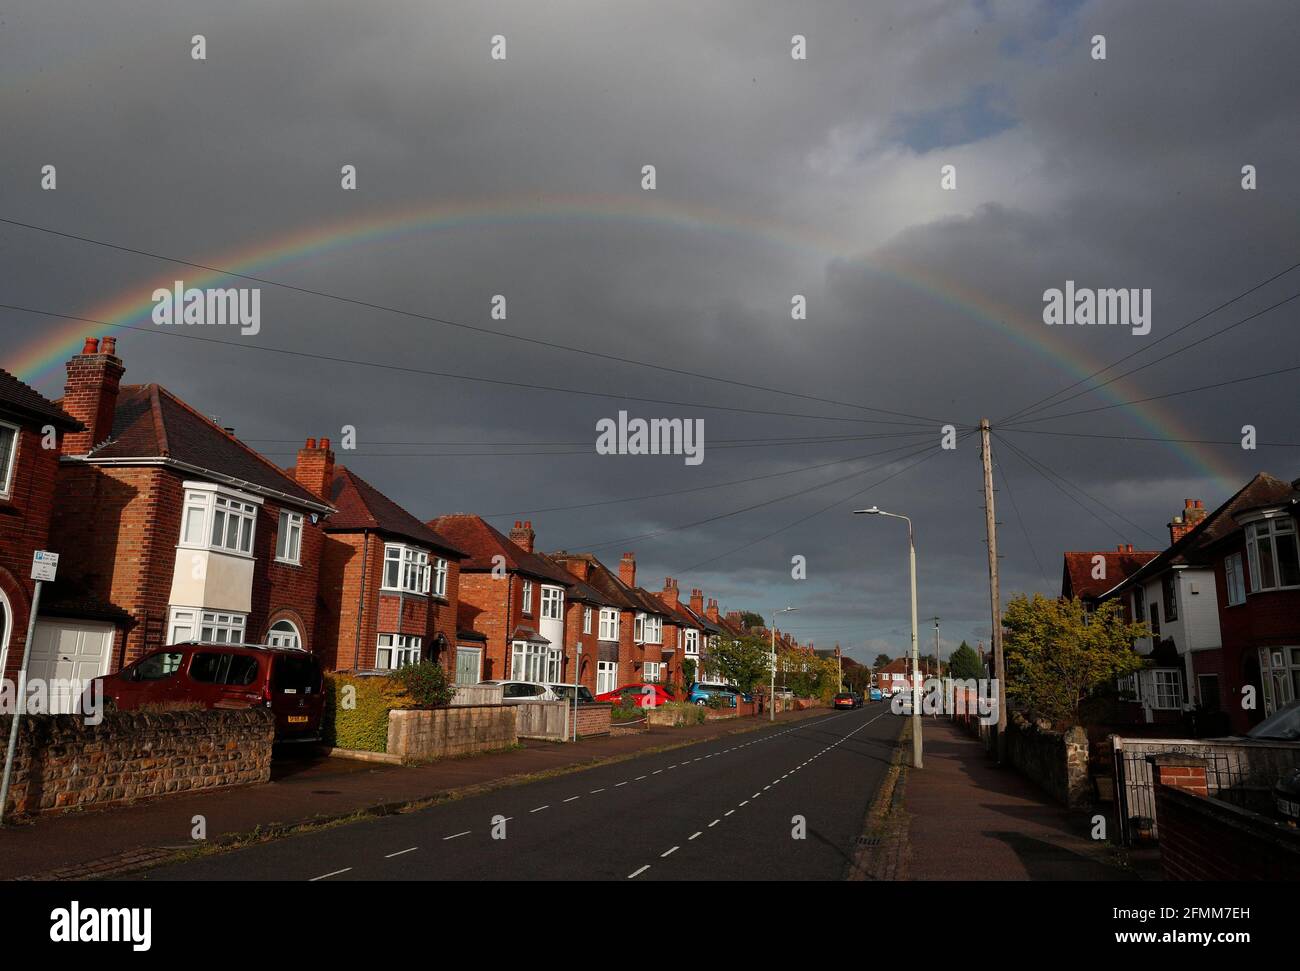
<point>67,654</point>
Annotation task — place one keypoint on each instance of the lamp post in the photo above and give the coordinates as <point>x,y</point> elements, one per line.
<point>771,698</point>
<point>916,663</point>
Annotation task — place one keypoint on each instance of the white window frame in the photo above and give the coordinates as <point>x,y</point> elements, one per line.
<point>691,643</point>
<point>411,566</point>
<point>586,619</point>
<point>638,629</point>
<point>527,600</point>
<point>206,504</point>
<point>403,649</point>
<point>197,622</point>
<point>1276,527</point>
<point>654,629</point>
<point>1166,689</point>
<point>288,538</point>
<point>609,623</point>
<point>439,577</point>
<point>1234,579</point>
<point>653,671</point>
<point>529,660</point>
<point>10,468</point>
<point>1279,669</point>
<point>606,676</point>
<point>552,603</point>
<point>282,637</point>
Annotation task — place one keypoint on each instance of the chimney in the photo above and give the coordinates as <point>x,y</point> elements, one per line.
<point>734,617</point>
<point>670,596</point>
<point>90,396</point>
<point>315,468</point>
<point>697,602</point>
<point>712,612</point>
<point>627,569</point>
<point>1128,548</point>
<point>1180,526</point>
<point>522,535</point>
<point>578,566</point>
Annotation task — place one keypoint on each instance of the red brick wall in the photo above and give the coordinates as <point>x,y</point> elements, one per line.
<point>24,528</point>
<point>120,526</point>
<point>491,606</point>
<point>284,590</point>
<point>1203,839</point>
<point>573,636</point>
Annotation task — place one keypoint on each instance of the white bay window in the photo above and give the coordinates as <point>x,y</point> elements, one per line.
<point>406,569</point>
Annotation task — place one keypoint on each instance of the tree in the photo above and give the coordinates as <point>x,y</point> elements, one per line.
<point>965,663</point>
<point>1057,653</point>
<point>688,671</point>
<point>752,621</point>
<point>881,661</point>
<point>742,661</point>
<point>808,675</point>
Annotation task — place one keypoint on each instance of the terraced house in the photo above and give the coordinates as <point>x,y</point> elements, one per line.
<point>172,528</point>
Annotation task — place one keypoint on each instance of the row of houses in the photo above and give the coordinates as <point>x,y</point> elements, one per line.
<point>1222,602</point>
<point>170,528</point>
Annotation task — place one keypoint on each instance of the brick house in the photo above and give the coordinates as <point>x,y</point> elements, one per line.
<point>1089,574</point>
<point>514,598</point>
<point>896,676</point>
<point>1221,601</point>
<point>696,648</point>
<point>174,523</point>
<point>1256,567</point>
<point>389,584</point>
<point>619,658</point>
<point>28,420</point>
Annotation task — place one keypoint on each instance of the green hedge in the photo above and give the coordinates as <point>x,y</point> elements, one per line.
<point>364,726</point>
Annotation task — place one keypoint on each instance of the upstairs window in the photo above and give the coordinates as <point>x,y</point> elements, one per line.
<point>406,569</point>
<point>1169,588</point>
<point>1234,580</point>
<point>1274,558</point>
<point>586,620</point>
<point>440,577</point>
<point>528,596</point>
<point>654,629</point>
<point>608,624</point>
<point>638,629</point>
<point>217,521</point>
<point>288,540</point>
<point>552,603</point>
<point>8,456</point>
<point>691,644</point>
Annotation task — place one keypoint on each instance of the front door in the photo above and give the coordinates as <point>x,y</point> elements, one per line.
<point>469,665</point>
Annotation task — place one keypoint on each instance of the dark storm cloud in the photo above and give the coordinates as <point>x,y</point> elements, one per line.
<point>825,173</point>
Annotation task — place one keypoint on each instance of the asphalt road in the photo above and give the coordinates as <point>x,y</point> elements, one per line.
<point>720,810</point>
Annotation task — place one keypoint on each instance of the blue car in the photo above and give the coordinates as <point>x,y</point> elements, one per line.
<point>877,695</point>
<point>701,691</point>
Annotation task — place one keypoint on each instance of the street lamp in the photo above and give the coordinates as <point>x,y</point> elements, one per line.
<point>771,698</point>
<point>916,663</point>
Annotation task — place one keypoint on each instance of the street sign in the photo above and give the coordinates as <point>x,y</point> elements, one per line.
<point>44,565</point>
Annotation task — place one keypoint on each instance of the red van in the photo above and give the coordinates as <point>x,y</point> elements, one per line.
<point>288,681</point>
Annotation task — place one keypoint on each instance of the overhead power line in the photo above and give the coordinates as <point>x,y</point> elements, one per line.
<point>459,325</point>
<point>1042,402</point>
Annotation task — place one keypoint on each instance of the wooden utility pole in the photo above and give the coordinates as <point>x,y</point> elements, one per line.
<point>995,595</point>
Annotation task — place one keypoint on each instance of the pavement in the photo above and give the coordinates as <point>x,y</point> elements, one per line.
<point>307,789</point>
<point>967,819</point>
<point>785,801</point>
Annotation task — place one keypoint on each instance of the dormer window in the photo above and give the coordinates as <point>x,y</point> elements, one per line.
<point>406,569</point>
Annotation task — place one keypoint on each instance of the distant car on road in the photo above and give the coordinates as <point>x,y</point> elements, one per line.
<point>847,699</point>
<point>641,694</point>
<point>517,692</point>
<point>877,694</point>
<point>286,680</point>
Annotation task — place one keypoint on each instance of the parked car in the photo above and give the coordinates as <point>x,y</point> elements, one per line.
<point>702,691</point>
<point>1286,795</point>
<point>287,680</point>
<point>642,694</point>
<point>517,692</point>
<point>1281,726</point>
<point>846,699</point>
<point>877,694</point>
<point>565,692</point>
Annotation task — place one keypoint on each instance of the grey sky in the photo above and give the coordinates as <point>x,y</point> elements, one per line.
<point>775,177</point>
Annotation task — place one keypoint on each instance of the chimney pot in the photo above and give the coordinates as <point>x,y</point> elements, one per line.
<point>325,443</point>
<point>110,345</point>
<point>311,443</point>
<point>91,346</point>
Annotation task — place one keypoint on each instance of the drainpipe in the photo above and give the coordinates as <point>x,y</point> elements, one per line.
<point>361,598</point>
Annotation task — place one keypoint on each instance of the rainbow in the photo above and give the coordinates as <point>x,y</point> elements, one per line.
<point>40,361</point>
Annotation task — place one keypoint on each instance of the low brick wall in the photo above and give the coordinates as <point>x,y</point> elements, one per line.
<point>1208,839</point>
<point>62,763</point>
<point>594,719</point>
<point>673,717</point>
<point>1057,761</point>
<point>419,735</point>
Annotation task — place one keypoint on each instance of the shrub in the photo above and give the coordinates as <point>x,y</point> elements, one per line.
<point>425,684</point>
<point>714,701</point>
<point>626,713</point>
<point>362,725</point>
<point>684,712</point>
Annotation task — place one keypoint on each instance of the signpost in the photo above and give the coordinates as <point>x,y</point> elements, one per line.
<point>44,566</point>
